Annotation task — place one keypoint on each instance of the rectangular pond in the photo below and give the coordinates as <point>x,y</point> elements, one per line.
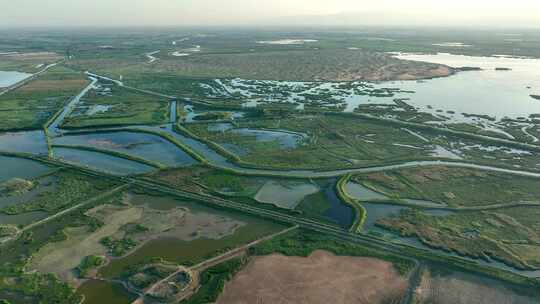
<point>100,161</point>
<point>146,146</point>
<point>12,167</point>
<point>24,142</point>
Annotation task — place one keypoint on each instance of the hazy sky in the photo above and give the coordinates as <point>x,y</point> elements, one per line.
<point>261,12</point>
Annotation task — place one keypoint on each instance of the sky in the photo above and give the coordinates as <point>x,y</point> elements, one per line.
<point>503,13</point>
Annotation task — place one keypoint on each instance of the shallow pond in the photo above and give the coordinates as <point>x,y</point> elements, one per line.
<point>220,127</point>
<point>339,212</point>
<point>193,251</point>
<point>96,109</point>
<point>146,146</point>
<point>12,167</point>
<point>287,140</point>
<point>99,292</point>
<point>24,142</point>
<point>376,211</point>
<point>23,219</point>
<point>196,145</point>
<point>285,194</point>
<point>362,193</point>
<point>101,162</point>
<point>8,78</point>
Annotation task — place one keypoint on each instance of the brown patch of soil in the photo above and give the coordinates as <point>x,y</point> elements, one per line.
<point>320,278</point>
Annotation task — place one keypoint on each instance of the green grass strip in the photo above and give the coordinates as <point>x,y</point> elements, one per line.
<point>361,212</point>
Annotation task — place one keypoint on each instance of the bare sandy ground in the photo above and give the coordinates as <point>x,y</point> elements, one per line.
<point>320,278</point>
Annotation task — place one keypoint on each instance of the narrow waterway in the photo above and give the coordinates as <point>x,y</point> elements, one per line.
<point>172,115</point>
<point>54,127</point>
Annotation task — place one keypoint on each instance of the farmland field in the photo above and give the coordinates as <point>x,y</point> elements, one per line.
<point>306,280</point>
<point>30,106</point>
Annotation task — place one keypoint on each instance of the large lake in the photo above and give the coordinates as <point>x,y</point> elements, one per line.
<point>502,88</point>
<point>491,92</point>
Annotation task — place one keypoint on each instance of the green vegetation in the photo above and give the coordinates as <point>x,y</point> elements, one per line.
<point>303,243</point>
<point>360,211</point>
<point>332,142</point>
<point>36,287</point>
<point>112,105</point>
<point>213,116</point>
<point>31,105</point>
<point>88,263</point>
<point>190,252</point>
<point>69,189</point>
<point>314,205</point>
<point>146,275</point>
<point>508,235</point>
<point>213,280</point>
<point>208,180</point>
<point>15,186</point>
<point>30,287</point>
<point>28,62</point>
<point>118,247</point>
<point>457,187</point>
<point>264,62</point>
<point>7,231</point>
<point>137,238</point>
<point>221,181</point>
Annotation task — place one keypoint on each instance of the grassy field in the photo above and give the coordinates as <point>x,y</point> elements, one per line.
<point>203,179</point>
<point>457,187</point>
<point>110,105</point>
<point>508,235</point>
<point>31,105</point>
<point>28,62</point>
<point>331,142</point>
